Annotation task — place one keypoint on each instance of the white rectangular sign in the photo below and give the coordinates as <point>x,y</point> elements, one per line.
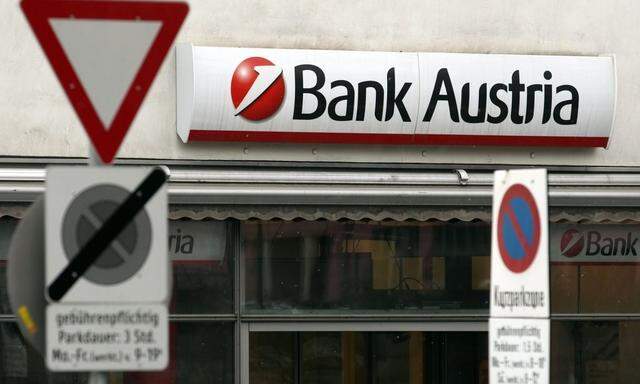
<point>520,244</point>
<point>599,243</point>
<point>519,351</point>
<point>135,265</point>
<point>131,337</point>
<point>317,96</point>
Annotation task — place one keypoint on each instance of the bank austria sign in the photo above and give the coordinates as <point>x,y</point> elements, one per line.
<point>597,243</point>
<point>313,96</point>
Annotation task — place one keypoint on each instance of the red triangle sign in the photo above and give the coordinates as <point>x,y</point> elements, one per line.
<point>106,55</point>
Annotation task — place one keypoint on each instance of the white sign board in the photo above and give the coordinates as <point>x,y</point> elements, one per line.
<point>135,266</point>
<point>519,245</point>
<point>519,351</point>
<point>106,269</point>
<point>131,337</point>
<point>316,96</point>
<point>600,243</point>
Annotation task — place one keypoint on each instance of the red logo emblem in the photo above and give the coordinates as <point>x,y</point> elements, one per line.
<point>572,243</point>
<point>257,88</point>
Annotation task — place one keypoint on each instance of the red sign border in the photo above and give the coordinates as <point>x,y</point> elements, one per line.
<point>106,140</point>
<point>396,139</point>
<point>519,266</point>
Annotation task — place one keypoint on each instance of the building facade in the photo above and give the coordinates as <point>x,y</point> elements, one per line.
<point>317,262</point>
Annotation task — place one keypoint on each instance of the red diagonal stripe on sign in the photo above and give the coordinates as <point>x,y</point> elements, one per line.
<point>518,229</point>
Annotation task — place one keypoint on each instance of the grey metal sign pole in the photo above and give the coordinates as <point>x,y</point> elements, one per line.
<point>96,377</point>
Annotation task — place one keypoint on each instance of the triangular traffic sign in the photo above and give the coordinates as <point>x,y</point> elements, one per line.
<point>106,55</point>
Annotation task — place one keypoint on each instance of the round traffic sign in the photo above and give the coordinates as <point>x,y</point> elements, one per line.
<point>518,228</point>
<point>25,276</point>
<point>86,214</point>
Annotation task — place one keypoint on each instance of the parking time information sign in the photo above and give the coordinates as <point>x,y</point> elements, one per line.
<point>519,249</point>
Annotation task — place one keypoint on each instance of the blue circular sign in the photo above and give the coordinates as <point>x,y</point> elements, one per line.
<point>518,228</point>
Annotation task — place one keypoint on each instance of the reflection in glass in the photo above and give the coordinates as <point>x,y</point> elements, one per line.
<point>595,352</point>
<point>380,266</point>
<point>202,253</point>
<point>587,257</point>
<point>7,227</point>
<point>271,358</point>
<point>577,288</point>
<point>199,353</point>
<point>321,360</point>
<point>203,258</point>
<point>21,364</point>
<point>368,357</point>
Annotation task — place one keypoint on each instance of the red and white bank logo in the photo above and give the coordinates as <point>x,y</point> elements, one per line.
<point>572,243</point>
<point>257,88</point>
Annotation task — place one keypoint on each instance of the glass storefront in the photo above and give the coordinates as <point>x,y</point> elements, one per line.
<point>334,267</point>
<point>368,357</point>
<point>201,352</point>
<point>355,302</point>
<point>595,351</point>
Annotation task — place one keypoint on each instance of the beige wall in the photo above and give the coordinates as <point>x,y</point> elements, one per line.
<point>37,121</point>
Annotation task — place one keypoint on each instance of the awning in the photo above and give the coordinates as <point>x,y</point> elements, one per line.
<point>586,215</point>
<point>310,194</point>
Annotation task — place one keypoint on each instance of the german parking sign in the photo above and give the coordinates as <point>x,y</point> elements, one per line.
<point>133,266</point>
<point>106,269</point>
<point>519,245</point>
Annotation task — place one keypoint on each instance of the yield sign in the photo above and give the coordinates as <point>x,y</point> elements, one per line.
<point>106,55</point>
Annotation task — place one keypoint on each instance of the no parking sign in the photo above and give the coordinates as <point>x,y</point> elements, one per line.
<point>520,254</point>
<point>519,328</point>
<point>518,228</point>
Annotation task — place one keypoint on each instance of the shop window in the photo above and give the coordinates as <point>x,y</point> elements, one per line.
<point>7,226</point>
<point>303,268</point>
<point>595,268</point>
<point>203,257</point>
<point>21,364</point>
<point>200,352</point>
<point>271,358</point>
<point>368,357</point>
<point>597,352</point>
<point>380,266</point>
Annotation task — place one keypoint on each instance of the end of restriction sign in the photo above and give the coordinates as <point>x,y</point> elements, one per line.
<point>107,271</point>
<point>103,248</point>
<point>105,236</point>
